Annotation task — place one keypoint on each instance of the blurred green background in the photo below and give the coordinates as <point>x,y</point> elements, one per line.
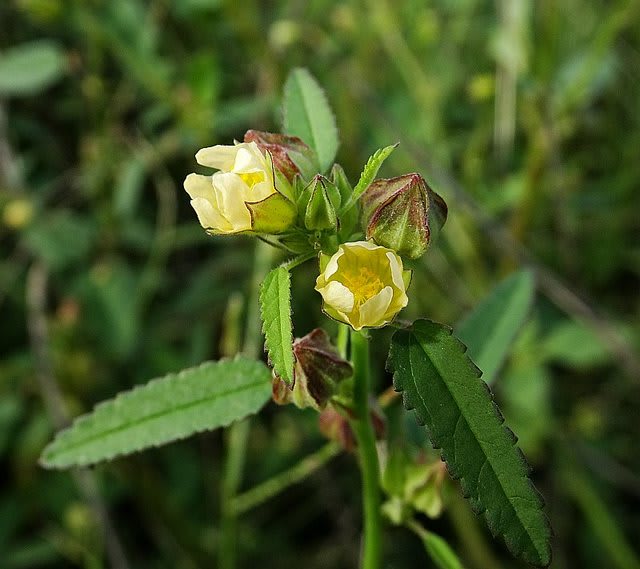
<point>523,114</point>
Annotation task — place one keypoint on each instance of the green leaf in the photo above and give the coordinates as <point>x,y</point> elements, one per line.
<point>369,174</point>
<point>307,114</point>
<point>573,344</point>
<point>173,407</point>
<point>440,382</point>
<point>489,331</point>
<point>30,67</point>
<point>275,307</point>
<point>440,551</point>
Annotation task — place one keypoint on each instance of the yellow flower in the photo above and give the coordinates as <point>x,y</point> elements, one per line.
<point>228,201</point>
<point>363,284</point>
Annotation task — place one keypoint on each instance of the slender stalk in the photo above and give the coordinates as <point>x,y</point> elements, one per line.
<point>273,486</point>
<point>365,436</point>
<point>300,259</point>
<point>236,436</point>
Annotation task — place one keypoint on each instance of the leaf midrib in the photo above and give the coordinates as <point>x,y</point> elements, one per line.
<point>103,434</point>
<point>479,442</point>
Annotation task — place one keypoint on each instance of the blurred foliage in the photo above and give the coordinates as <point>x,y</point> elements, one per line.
<point>524,115</point>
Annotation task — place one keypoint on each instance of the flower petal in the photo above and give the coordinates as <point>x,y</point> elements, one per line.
<point>248,159</point>
<point>373,311</point>
<point>198,186</point>
<point>338,296</point>
<point>395,264</point>
<point>232,193</point>
<point>220,157</point>
<point>208,217</point>
<point>332,265</point>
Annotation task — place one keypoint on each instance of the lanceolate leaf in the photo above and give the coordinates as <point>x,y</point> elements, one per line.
<point>489,331</point>
<point>275,306</point>
<point>307,114</point>
<point>440,382</point>
<point>29,68</point>
<point>173,407</point>
<point>369,173</point>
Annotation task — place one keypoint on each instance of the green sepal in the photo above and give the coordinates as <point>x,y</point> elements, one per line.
<point>306,164</point>
<point>295,241</point>
<point>319,202</point>
<point>274,214</point>
<point>348,219</point>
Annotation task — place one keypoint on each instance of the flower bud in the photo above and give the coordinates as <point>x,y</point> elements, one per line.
<point>349,218</point>
<point>319,202</point>
<point>413,484</point>
<point>403,213</point>
<point>317,372</point>
<point>335,425</point>
<point>290,155</point>
<point>362,284</point>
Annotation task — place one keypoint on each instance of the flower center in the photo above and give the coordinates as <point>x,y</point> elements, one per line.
<point>364,284</point>
<point>252,178</point>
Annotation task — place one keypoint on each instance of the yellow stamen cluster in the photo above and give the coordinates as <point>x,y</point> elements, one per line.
<point>363,283</point>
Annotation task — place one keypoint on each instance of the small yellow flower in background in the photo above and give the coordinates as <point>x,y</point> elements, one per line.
<point>245,176</point>
<point>363,285</point>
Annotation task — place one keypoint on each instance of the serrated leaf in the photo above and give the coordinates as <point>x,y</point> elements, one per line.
<point>30,67</point>
<point>307,114</point>
<point>166,409</point>
<point>441,383</point>
<point>369,174</point>
<point>489,331</point>
<point>275,307</point>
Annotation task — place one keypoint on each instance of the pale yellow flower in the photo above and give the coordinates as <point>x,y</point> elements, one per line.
<point>363,285</point>
<point>245,176</point>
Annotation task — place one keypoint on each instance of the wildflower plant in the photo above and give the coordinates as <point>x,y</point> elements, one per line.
<point>286,190</point>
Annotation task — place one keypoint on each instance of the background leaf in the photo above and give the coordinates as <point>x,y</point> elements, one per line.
<point>489,331</point>
<point>439,381</point>
<point>173,407</point>
<point>31,67</point>
<point>307,114</point>
<point>275,307</point>
<point>573,344</point>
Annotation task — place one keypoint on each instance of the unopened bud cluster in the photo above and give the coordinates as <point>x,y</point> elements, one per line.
<point>268,185</point>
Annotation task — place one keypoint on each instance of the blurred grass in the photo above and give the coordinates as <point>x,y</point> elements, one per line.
<point>524,115</point>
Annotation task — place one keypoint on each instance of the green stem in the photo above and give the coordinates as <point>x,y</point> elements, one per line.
<point>236,436</point>
<point>272,487</point>
<point>342,341</point>
<point>365,436</point>
<point>235,446</point>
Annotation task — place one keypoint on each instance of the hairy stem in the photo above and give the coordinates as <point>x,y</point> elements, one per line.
<point>365,436</point>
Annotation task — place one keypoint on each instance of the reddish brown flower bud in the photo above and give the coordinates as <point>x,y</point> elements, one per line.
<point>290,155</point>
<point>317,372</point>
<point>334,424</point>
<point>403,214</point>
<point>336,428</point>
